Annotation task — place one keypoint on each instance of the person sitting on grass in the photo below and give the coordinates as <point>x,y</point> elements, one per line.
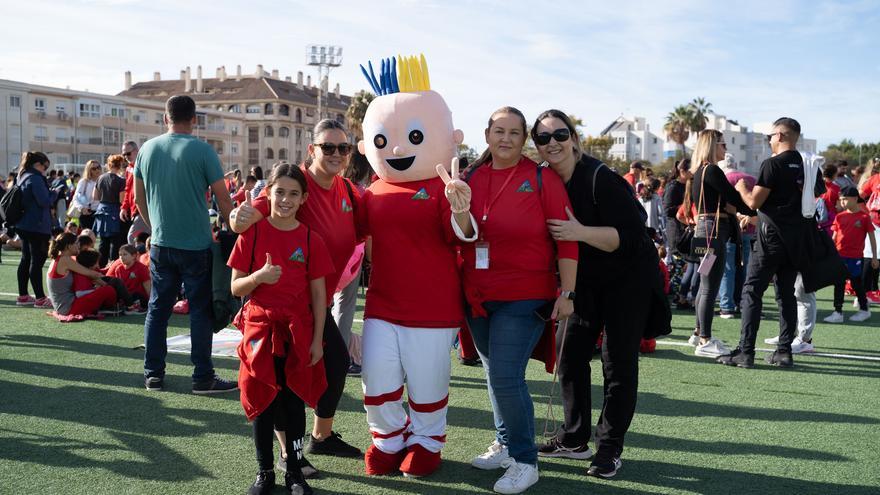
<point>60,280</point>
<point>90,233</point>
<point>135,276</point>
<point>83,285</point>
<point>281,350</point>
<point>84,242</point>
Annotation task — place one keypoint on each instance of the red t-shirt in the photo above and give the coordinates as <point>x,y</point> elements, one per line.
<point>831,197</point>
<point>414,280</point>
<point>330,213</point>
<point>133,277</point>
<point>850,230</point>
<point>145,260</point>
<point>522,255</point>
<point>128,203</point>
<point>240,195</point>
<point>300,252</point>
<point>82,283</point>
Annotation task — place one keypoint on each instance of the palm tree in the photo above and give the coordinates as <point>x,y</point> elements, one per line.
<point>679,124</point>
<point>356,111</point>
<point>700,108</point>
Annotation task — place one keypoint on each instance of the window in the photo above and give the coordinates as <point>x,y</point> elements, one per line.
<point>235,108</point>
<point>160,118</point>
<point>15,102</point>
<point>253,157</point>
<point>270,155</point>
<point>90,110</point>
<point>114,111</point>
<point>655,140</point>
<point>40,134</point>
<point>310,112</point>
<point>61,135</point>
<point>732,140</point>
<point>299,136</point>
<point>299,115</point>
<point>284,132</point>
<point>638,140</point>
<point>269,131</point>
<point>267,109</point>
<point>340,118</point>
<point>284,110</point>
<point>201,120</point>
<point>299,157</point>
<point>253,135</point>
<point>61,107</point>
<point>282,154</point>
<point>253,109</point>
<point>112,136</point>
<point>233,148</point>
<point>40,104</point>
<point>233,129</point>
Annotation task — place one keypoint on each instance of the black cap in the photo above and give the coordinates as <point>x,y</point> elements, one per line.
<point>850,192</point>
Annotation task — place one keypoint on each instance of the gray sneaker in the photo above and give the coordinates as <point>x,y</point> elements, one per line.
<point>153,383</point>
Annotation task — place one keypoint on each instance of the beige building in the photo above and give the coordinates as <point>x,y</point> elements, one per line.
<point>277,114</point>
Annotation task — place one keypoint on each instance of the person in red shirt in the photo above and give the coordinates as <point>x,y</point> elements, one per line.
<point>128,212</point>
<point>831,197</point>
<point>850,228</point>
<point>329,211</point>
<point>636,173</point>
<point>241,195</point>
<point>511,285</point>
<point>282,265</point>
<point>134,275</point>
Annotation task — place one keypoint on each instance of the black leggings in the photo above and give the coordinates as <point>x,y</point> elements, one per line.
<point>122,294</point>
<point>286,413</point>
<point>34,251</point>
<point>336,363</point>
<point>869,276</point>
<point>108,247</point>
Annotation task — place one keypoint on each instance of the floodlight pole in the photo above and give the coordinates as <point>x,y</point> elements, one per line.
<point>324,57</point>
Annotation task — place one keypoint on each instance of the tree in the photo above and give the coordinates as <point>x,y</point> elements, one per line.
<point>356,111</point>
<point>700,108</point>
<point>679,124</point>
<point>598,146</point>
<point>854,154</point>
<point>466,152</point>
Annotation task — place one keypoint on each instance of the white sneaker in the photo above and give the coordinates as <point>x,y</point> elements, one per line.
<point>518,477</point>
<point>493,458</point>
<point>772,341</point>
<point>860,316</point>
<point>694,340</point>
<point>801,347</point>
<point>713,348</point>
<point>856,303</point>
<point>835,317</point>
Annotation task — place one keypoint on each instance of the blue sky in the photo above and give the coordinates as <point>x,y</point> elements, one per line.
<point>753,60</point>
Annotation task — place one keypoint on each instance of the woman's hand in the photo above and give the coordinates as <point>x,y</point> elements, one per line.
<point>268,273</point>
<point>562,309</point>
<point>458,193</point>
<point>316,351</point>
<point>566,230</point>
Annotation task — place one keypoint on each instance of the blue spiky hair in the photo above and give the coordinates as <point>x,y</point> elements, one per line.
<point>413,75</point>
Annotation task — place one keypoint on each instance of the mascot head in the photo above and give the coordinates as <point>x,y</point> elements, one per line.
<point>407,128</point>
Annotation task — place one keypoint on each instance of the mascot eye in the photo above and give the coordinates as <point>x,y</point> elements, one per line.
<point>416,137</point>
<point>380,141</point>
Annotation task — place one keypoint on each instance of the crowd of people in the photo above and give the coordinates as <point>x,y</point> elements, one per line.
<point>570,241</point>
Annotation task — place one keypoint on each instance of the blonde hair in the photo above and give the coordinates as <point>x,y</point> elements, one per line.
<point>704,150</point>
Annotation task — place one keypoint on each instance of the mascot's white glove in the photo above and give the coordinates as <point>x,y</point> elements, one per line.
<point>458,193</point>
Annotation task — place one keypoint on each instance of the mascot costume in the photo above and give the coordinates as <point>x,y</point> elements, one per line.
<point>416,215</point>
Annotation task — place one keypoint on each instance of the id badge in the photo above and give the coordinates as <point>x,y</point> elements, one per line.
<point>706,263</point>
<point>482,256</point>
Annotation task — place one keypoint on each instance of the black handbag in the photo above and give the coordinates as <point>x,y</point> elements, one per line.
<point>825,266</point>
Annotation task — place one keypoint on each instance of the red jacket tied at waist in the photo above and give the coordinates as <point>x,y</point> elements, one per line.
<point>266,333</point>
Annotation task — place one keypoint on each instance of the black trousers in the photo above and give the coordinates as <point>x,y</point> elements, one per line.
<point>108,247</point>
<point>768,258</point>
<point>286,413</point>
<point>34,251</point>
<point>869,276</point>
<point>855,281</point>
<point>622,311</point>
<point>336,363</point>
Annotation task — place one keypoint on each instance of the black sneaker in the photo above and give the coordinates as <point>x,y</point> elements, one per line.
<point>296,483</point>
<point>354,370</point>
<point>332,445</point>
<point>215,385</point>
<point>309,472</point>
<point>780,359</point>
<point>555,448</point>
<point>605,469</point>
<point>470,361</point>
<point>264,484</point>
<point>737,358</point>
<point>153,383</point>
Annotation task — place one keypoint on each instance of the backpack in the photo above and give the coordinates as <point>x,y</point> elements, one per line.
<point>12,205</point>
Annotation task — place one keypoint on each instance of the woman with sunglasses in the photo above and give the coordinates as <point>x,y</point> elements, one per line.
<point>511,286</point>
<point>329,211</point>
<point>717,204</point>
<point>83,195</point>
<point>617,276</point>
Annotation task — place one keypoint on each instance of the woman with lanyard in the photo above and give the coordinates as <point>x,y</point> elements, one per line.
<point>329,211</point>
<point>83,197</point>
<point>617,275</point>
<point>717,203</point>
<point>109,192</point>
<point>34,228</point>
<point>510,284</point>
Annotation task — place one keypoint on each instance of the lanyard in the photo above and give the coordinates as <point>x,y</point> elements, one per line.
<point>488,204</point>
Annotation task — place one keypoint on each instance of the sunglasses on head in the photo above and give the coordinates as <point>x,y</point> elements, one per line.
<point>329,148</point>
<point>560,135</point>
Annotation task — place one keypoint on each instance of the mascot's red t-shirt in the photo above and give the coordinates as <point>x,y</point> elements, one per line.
<point>414,280</point>
<point>330,212</point>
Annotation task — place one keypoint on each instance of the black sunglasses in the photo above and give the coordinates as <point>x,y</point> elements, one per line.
<point>329,148</point>
<point>127,154</point>
<point>560,135</point>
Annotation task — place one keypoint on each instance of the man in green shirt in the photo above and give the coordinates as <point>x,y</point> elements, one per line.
<point>173,174</point>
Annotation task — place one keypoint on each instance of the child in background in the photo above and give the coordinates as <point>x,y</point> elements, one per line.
<point>135,276</point>
<point>60,278</point>
<point>84,242</point>
<point>281,350</point>
<point>850,228</point>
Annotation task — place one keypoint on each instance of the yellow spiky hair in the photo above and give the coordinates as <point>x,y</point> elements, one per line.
<point>412,74</point>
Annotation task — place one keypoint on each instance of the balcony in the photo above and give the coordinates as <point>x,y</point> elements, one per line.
<point>215,127</point>
<point>89,140</point>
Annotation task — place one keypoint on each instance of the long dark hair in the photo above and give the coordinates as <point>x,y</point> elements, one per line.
<point>284,169</point>
<point>31,158</point>
<point>487,155</point>
<point>559,114</point>
<point>60,243</point>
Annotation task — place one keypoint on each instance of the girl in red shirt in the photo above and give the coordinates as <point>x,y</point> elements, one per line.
<point>63,250</point>
<point>281,264</point>
<point>511,286</point>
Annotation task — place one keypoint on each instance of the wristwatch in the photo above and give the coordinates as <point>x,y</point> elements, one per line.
<point>568,294</point>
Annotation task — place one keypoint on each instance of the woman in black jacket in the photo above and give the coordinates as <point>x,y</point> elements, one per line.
<point>34,228</point>
<point>615,285</point>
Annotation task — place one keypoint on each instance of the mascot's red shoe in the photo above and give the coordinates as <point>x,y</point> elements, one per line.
<point>378,463</point>
<point>419,461</point>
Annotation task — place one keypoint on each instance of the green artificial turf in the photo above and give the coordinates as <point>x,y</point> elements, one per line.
<point>75,419</point>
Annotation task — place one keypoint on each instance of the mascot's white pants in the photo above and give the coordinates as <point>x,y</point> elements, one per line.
<point>394,353</point>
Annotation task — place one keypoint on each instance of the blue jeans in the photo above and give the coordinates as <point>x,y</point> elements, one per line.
<point>731,282</point>
<point>168,268</point>
<point>504,341</point>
